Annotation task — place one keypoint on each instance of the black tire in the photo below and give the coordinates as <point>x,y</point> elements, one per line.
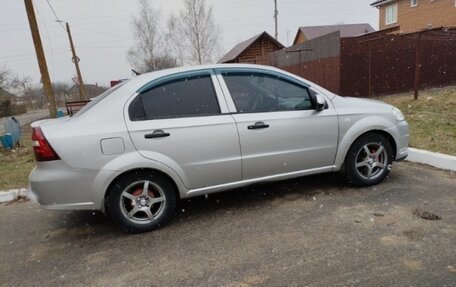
<point>366,169</point>
<point>134,194</point>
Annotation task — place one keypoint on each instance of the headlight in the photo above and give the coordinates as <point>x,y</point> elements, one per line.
<point>398,114</point>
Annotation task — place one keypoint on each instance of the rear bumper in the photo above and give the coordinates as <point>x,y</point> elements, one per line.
<point>58,206</point>
<point>58,187</point>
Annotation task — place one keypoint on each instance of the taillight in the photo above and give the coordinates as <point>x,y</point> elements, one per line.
<point>43,150</point>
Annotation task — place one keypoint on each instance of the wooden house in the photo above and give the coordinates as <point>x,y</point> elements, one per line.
<point>248,51</point>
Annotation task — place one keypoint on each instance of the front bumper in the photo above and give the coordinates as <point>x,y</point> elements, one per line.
<point>401,135</point>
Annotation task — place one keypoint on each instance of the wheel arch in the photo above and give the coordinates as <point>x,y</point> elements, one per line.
<point>354,133</point>
<point>387,135</point>
<point>390,139</point>
<point>366,177</point>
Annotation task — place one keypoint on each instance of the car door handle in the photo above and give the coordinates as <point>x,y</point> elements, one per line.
<point>157,134</point>
<point>258,125</point>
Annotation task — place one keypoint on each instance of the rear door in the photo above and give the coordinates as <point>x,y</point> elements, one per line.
<point>180,121</point>
<point>280,130</point>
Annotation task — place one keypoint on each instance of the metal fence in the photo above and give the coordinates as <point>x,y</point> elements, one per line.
<point>373,64</point>
<point>393,63</point>
<point>317,60</point>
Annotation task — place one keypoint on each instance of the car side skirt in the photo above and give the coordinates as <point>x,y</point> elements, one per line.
<point>276,177</point>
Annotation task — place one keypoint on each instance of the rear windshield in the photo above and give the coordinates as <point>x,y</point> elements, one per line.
<point>98,99</point>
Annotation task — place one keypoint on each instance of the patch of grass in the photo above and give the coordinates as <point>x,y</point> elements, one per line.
<point>432,118</point>
<point>16,165</point>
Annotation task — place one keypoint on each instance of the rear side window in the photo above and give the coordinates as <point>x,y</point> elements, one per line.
<point>184,97</point>
<point>95,101</point>
<point>258,92</point>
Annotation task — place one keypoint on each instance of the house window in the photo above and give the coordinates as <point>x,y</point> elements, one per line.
<point>414,3</point>
<point>391,14</point>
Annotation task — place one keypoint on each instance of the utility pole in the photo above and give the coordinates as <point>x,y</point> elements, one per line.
<point>47,86</point>
<point>417,66</point>
<point>276,14</point>
<point>75,59</point>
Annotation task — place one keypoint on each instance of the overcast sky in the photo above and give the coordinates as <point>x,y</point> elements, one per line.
<point>101,30</point>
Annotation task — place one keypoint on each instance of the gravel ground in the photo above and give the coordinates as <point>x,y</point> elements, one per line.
<point>314,231</point>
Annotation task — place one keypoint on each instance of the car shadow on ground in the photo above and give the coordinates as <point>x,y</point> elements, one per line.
<point>95,222</point>
<point>262,193</point>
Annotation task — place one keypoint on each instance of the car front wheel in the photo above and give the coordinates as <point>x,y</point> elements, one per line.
<point>141,201</point>
<point>368,160</point>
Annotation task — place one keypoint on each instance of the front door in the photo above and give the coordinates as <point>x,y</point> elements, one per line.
<point>280,130</point>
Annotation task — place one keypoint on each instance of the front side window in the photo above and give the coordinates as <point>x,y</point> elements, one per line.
<point>184,97</point>
<point>391,14</point>
<point>257,92</point>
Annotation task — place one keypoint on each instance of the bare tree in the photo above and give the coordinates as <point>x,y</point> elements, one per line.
<point>158,63</point>
<point>5,101</point>
<point>33,95</point>
<point>38,98</point>
<point>174,39</point>
<point>24,86</point>
<point>61,92</point>
<point>148,52</point>
<point>199,32</point>
<point>5,77</point>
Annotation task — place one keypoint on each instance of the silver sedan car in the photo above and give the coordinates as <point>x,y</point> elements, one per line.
<point>138,148</point>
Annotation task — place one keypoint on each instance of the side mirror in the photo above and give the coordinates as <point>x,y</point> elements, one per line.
<point>320,102</point>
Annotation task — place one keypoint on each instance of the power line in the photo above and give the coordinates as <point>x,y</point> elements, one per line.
<point>57,19</point>
<point>99,32</point>
<point>49,40</point>
<point>52,9</point>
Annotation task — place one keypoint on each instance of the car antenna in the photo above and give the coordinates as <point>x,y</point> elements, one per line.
<point>136,73</point>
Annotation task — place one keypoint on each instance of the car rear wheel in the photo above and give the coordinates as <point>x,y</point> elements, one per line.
<point>368,160</point>
<point>141,201</point>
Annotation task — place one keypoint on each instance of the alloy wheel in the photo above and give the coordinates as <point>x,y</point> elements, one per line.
<point>371,161</point>
<point>142,202</point>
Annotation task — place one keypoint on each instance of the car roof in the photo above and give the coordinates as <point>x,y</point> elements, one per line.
<point>135,84</point>
<point>147,77</point>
